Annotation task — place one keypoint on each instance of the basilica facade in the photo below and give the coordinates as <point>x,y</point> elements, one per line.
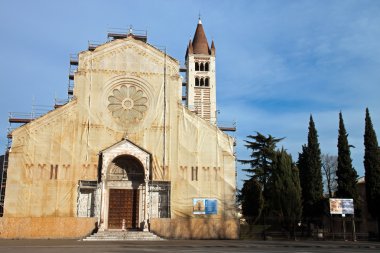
<point>136,147</point>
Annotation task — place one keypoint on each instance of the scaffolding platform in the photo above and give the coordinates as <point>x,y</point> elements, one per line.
<point>226,127</point>
<point>23,118</point>
<point>60,102</point>
<point>119,33</point>
<point>19,120</point>
<point>74,60</point>
<point>70,88</point>
<point>92,45</point>
<point>4,172</point>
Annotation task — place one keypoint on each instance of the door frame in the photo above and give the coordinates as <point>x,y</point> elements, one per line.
<point>124,148</point>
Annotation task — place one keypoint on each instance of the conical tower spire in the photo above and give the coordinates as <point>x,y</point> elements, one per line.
<point>212,48</point>
<point>200,44</point>
<point>189,49</point>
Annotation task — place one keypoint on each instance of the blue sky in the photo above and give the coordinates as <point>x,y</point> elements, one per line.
<point>277,61</point>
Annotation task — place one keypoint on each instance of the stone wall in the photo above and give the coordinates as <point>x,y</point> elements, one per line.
<point>196,228</point>
<point>45,227</point>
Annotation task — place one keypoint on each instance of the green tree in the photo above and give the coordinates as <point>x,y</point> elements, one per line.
<point>297,199</point>
<point>262,154</point>
<point>251,199</point>
<point>285,191</point>
<point>346,174</point>
<point>372,169</point>
<point>309,165</point>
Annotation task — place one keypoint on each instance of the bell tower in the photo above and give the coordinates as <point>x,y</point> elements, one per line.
<point>200,73</point>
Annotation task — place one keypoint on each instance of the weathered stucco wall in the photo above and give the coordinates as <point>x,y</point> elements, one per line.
<point>44,228</point>
<point>198,228</point>
<point>43,168</point>
<point>209,151</point>
<point>50,154</point>
<point>120,92</point>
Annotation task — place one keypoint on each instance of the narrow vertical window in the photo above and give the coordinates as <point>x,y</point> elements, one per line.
<point>196,66</point>
<point>202,82</point>
<point>202,67</point>
<point>194,173</point>
<point>196,81</point>
<point>53,171</point>
<point>206,66</point>
<point>207,82</point>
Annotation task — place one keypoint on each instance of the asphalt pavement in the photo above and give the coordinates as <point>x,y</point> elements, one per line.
<point>73,246</point>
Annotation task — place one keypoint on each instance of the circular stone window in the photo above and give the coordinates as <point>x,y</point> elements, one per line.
<point>127,103</point>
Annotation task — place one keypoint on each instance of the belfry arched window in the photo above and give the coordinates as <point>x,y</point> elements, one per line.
<point>196,66</point>
<point>202,82</point>
<point>197,81</point>
<point>207,82</point>
<point>202,67</point>
<point>207,66</point>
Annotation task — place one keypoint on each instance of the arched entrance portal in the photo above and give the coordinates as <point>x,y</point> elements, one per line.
<point>124,201</point>
<point>124,187</point>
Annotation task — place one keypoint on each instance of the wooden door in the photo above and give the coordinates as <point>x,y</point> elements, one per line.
<point>123,204</point>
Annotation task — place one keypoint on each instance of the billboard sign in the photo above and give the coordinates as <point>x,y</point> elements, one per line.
<point>341,206</point>
<point>205,206</point>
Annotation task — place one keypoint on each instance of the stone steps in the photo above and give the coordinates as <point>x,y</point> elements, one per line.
<point>123,236</point>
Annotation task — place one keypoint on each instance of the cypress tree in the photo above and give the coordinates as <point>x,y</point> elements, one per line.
<point>372,169</point>
<point>346,174</point>
<point>285,191</point>
<point>276,185</point>
<point>297,199</point>
<point>309,164</point>
<point>303,170</point>
<point>252,201</point>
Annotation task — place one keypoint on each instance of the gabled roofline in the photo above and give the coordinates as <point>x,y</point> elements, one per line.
<point>95,48</point>
<point>121,142</point>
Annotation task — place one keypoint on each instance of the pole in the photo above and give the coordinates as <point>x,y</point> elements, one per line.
<point>264,232</point>
<point>332,226</point>
<point>344,226</point>
<point>353,228</point>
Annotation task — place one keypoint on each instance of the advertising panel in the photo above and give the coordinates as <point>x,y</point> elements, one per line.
<point>341,206</point>
<point>205,206</point>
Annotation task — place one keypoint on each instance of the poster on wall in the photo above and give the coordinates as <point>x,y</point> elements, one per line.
<point>205,206</point>
<point>341,206</point>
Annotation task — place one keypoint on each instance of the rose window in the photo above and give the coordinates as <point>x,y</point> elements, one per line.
<point>127,103</point>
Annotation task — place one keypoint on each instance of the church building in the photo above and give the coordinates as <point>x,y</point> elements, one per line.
<point>136,147</point>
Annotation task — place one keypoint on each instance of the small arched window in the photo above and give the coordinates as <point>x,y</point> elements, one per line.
<point>196,81</point>
<point>202,82</point>
<point>206,66</point>
<point>202,67</point>
<point>207,82</point>
<point>196,66</point>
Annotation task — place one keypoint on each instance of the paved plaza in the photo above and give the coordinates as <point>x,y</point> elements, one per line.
<point>230,246</point>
